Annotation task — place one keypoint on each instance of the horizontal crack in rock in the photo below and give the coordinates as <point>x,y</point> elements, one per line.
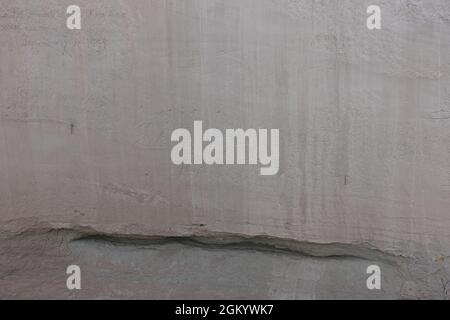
<point>258,243</point>
<point>213,240</point>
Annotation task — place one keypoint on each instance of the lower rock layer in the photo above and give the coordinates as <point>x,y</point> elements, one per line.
<point>33,265</point>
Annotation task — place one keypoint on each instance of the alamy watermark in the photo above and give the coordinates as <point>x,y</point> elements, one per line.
<point>73,281</point>
<point>74,20</point>
<point>229,148</point>
<point>374,280</point>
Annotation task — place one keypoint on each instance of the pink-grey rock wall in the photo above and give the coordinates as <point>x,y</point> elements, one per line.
<point>86,118</point>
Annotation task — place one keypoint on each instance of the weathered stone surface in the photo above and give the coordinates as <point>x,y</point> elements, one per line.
<point>85,124</point>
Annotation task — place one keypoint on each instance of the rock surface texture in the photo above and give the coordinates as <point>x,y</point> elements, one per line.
<point>86,177</point>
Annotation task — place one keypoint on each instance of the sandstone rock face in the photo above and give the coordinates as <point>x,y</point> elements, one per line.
<point>86,177</point>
